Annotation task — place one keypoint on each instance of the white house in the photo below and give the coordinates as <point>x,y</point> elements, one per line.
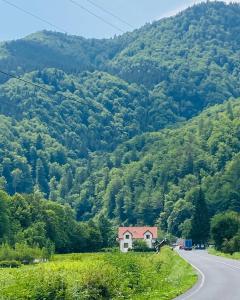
<point>127,236</point>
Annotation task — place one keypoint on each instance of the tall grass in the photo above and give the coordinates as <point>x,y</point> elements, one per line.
<point>100,276</point>
<point>235,255</point>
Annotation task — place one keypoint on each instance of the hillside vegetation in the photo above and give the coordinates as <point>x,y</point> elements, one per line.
<point>32,220</point>
<point>55,133</point>
<point>112,130</point>
<point>155,177</point>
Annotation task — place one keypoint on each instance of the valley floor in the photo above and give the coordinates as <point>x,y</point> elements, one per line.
<point>100,276</point>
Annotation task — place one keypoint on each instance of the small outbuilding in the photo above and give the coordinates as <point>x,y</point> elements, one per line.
<point>127,236</point>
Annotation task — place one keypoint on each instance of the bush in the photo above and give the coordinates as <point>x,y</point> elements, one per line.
<point>22,253</point>
<point>98,283</point>
<point>52,287</point>
<point>224,229</point>
<point>233,245</point>
<point>7,253</point>
<point>111,250</point>
<point>141,246</point>
<point>93,291</point>
<point>10,264</point>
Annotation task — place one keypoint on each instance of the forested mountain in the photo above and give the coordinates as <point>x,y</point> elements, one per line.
<point>186,62</point>
<point>51,49</point>
<point>111,128</point>
<point>154,178</point>
<point>189,61</point>
<point>50,135</point>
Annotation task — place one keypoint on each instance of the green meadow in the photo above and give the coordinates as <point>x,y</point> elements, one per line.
<point>100,276</point>
<point>235,255</point>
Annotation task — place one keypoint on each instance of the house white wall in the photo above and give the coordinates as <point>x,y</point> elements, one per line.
<point>127,241</point>
<point>148,237</point>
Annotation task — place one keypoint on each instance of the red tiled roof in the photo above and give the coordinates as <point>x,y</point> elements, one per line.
<point>137,232</point>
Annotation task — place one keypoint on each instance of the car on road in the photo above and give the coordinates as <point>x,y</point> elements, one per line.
<point>200,247</point>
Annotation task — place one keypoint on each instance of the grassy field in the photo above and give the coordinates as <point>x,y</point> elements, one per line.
<point>100,276</point>
<point>235,255</point>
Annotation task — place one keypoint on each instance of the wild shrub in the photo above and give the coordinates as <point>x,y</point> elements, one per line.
<point>50,287</point>
<point>94,290</point>
<point>22,253</point>
<point>10,264</point>
<point>233,245</point>
<point>6,252</point>
<point>141,246</point>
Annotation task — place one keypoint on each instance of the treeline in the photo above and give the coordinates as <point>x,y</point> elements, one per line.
<point>36,222</point>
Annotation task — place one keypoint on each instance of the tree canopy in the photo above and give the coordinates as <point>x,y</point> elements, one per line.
<point>123,127</point>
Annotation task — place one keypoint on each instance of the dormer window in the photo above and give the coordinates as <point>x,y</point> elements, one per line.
<point>127,236</point>
<point>148,236</point>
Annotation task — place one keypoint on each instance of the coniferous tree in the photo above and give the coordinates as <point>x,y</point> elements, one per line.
<point>3,183</point>
<point>53,186</point>
<point>230,110</point>
<point>69,178</point>
<point>200,220</point>
<point>41,177</point>
<point>4,215</point>
<point>39,142</point>
<point>63,187</point>
<point>106,230</point>
<point>16,178</point>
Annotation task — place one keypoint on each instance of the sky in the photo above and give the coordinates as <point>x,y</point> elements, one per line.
<point>66,16</point>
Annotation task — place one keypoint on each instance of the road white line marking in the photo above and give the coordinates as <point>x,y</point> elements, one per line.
<point>201,284</point>
<point>202,280</point>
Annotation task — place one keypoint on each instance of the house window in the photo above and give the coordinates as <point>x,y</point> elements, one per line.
<point>125,245</point>
<point>127,236</point>
<point>147,236</point>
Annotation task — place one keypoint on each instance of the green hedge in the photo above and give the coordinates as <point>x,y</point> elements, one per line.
<point>10,264</point>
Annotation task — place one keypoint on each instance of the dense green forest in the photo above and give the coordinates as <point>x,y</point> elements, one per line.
<point>156,177</point>
<point>33,220</point>
<point>123,126</point>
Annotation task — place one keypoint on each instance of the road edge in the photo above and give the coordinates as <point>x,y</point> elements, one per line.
<point>197,286</point>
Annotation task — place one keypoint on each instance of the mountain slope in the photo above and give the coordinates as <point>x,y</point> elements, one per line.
<point>47,49</point>
<point>103,93</point>
<point>153,177</point>
<point>203,34</point>
<point>187,62</point>
<point>94,112</point>
<point>191,58</point>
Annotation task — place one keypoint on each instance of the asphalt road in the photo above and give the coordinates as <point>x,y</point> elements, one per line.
<point>219,278</point>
